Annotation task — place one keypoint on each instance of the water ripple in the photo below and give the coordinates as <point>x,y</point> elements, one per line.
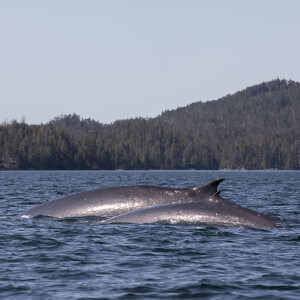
<point>80,258</point>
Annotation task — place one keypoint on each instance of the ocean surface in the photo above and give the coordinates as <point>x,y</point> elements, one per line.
<point>78,258</point>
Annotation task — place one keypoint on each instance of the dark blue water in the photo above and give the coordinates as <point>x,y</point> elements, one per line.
<point>48,258</point>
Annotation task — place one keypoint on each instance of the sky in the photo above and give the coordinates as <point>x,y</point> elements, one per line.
<point>118,59</point>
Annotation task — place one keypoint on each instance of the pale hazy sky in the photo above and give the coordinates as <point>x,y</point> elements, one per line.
<point>111,59</point>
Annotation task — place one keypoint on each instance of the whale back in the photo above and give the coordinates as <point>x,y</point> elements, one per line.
<point>112,201</point>
<point>213,210</point>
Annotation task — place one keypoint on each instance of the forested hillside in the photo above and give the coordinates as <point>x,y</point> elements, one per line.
<point>257,128</point>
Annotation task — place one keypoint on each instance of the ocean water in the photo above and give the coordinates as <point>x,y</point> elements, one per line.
<point>78,258</point>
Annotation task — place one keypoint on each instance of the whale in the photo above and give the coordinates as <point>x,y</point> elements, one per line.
<point>212,210</point>
<point>113,201</point>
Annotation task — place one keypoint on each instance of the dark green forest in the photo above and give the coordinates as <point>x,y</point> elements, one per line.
<point>257,128</point>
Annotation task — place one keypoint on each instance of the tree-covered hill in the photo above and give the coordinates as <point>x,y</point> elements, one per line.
<point>267,109</point>
<point>256,128</point>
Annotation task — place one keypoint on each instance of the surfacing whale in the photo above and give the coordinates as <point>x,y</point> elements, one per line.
<point>213,210</point>
<point>109,202</point>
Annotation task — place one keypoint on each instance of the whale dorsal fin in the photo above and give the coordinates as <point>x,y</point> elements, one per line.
<point>207,189</point>
<point>217,193</point>
<point>215,196</point>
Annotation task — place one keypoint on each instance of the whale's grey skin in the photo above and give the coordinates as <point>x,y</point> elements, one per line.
<point>213,210</point>
<point>109,202</point>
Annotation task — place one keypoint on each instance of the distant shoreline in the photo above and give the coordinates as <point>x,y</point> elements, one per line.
<point>254,129</point>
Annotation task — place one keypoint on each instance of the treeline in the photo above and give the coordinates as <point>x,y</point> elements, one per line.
<point>257,128</point>
<point>129,144</point>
